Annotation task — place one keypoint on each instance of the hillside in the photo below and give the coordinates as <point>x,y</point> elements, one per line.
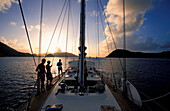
<point>8,51</point>
<point>128,54</point>
<point>62,54</point>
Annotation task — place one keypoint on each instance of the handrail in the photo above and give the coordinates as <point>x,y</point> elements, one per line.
<point>159,97</point>
<point>29,97</point>
<point>153,100</point>
<point>32,94</point>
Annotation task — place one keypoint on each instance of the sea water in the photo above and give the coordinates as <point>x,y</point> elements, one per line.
<point>151,77</point>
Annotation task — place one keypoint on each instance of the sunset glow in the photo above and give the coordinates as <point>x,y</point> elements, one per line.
<point>147,26</point>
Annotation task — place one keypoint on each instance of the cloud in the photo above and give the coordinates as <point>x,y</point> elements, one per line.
<point>133,43</point>
<point>134,14</point>
<point>31,27</point>
<point>6,4</point>
<point>14,44</point>
<point>13,23</point>
<point>3,40</point>
<point>80,1</point>
<point>168,33</point>
<point>8,42</point>
<point>94,13</point>
<point>58,49</point>
<point>166,45</point>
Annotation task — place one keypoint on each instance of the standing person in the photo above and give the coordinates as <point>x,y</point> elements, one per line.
<point>59,64</point>
<point>41,74</point>
<point>49,75</point>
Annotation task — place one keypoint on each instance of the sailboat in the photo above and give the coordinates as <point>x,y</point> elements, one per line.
<point>82,87</point>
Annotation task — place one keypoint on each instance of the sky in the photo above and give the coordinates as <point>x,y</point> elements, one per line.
<point>147,26</point>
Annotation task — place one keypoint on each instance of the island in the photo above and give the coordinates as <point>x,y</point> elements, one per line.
<point>6,51</point>
<point>120,53</point>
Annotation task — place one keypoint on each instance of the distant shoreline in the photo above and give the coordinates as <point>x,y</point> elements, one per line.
<point>37,56</point>
<point>7,51</point>
<point>120,53</point>
<point>100,57</point>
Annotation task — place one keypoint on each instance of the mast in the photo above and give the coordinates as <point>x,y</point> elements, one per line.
<point>124,47</point>
<point>82,47</point>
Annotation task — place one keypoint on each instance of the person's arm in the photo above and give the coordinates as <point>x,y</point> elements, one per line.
<point>45,71</point>
<point>37,68</point>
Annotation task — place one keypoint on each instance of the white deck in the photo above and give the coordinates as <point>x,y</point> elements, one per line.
<point>88,102</point>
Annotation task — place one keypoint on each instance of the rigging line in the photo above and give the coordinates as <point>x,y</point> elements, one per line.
<point>87,33</point>
<point>124,28</point>
<point>154,101</point>
<point>111,34</point>
<point>26,31</point>
<point>124,57</point>
<point>40,34</point>
<point>108,24</point>
<point>107,47</point>
<point>55,28</point>
<point>98,32</point>
<point>72,21</point>
<point>104,32</point>
<point>60,30</point>
<point>156,97</point>
<point>72,25</point>
<point>68,19</point>
<point>98,27</point>
<point>78,29</point>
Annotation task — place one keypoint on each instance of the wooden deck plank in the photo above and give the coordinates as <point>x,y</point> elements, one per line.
<point>37,102</point>
<point>123,102</point>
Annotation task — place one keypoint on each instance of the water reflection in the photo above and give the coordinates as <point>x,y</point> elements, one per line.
<point>18,76</point>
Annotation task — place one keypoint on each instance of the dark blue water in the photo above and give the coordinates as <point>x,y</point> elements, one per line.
<point>149,76</point>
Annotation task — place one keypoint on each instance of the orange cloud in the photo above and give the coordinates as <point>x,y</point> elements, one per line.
<point>31,27</point>
<point>13,23</point>
<point>14,44</point>
<point>6,4</point>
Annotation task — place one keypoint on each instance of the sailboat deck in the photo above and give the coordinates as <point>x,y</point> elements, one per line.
<point>88,102</point>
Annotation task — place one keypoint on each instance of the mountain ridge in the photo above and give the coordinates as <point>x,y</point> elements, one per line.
<point>6,51</point>
<point>129,54</point>
<point>61,54</point>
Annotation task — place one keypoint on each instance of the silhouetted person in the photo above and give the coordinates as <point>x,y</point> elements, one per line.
<point>49,75</point>
<point>59,64</point>
<point>41,73</point>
